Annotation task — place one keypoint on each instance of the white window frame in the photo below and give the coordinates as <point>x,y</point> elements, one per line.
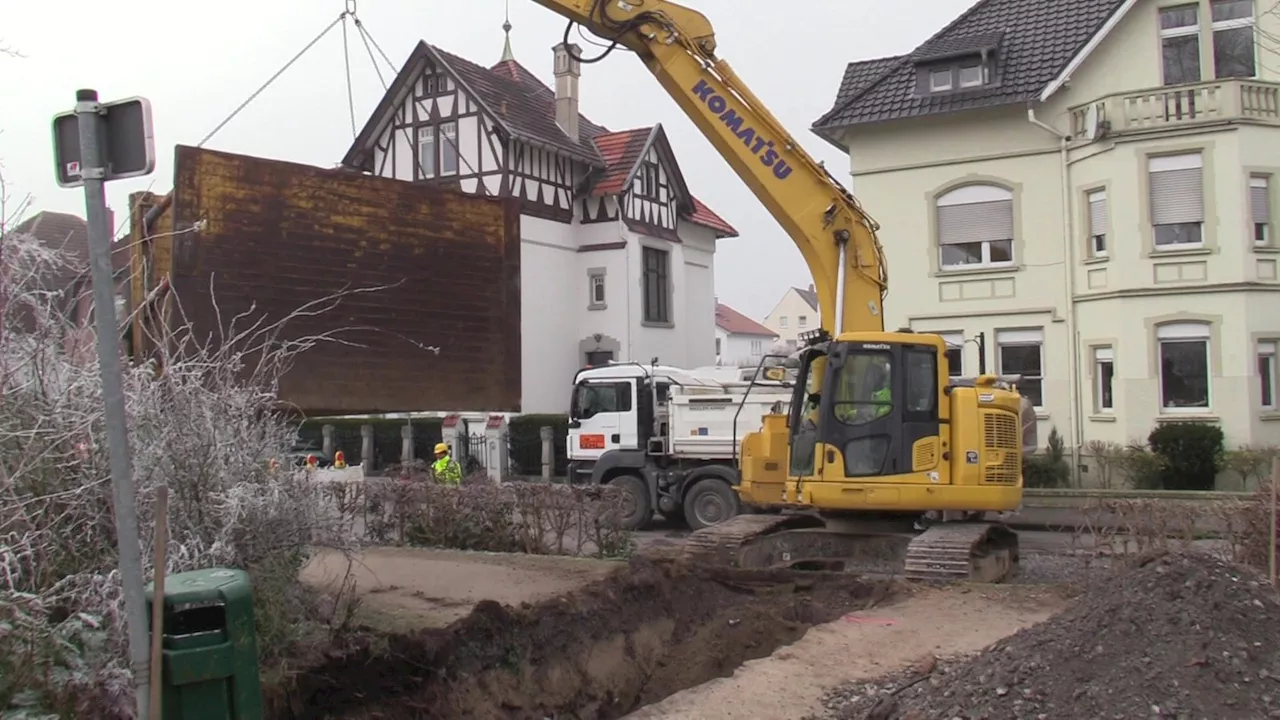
<point>1234,24</point>
<point>972,83</point>
<point>1025,337</point>
<point>1098,249</point>
<point>757,348</point>
<point>802,321</point>
<point>935,75</point>
<point>782,321</point>
<point>1267,355</point>
<point>449,139</point>
<point>1165,163</point>
<point>1262,182</point>
<point>954,341</point>
<point>972,195</point>
<point>1184,332</point>
<point>1103,355</point>
<point>427,149</point>
<point>1182,31</point>
<point>596,279</point>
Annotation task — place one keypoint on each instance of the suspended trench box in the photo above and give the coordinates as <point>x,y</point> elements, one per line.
<point>264,238</point>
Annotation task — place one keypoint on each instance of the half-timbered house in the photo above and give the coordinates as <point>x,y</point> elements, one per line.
<point>617,255</point>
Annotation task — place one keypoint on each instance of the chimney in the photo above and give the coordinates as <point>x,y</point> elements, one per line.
<point>568,70</point>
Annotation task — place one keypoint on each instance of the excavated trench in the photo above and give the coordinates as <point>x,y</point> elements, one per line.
<point>647,631</point>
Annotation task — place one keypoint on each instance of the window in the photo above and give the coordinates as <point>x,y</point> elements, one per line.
<point>802,321</point>
<point>717,346</point>
<point>757,347</point>
<point>975,227</point>
<point>782,321</point>
<point>1180,43</point>
<point>599,357</point>
<point>596,289</point>
<point>449,148</point>
<point>1177,200</point>
<point>921,395</point>
<point>437,85</point>
<point>955,353</point>
<point>1267,374</point>
<point>594,398</point>
<point>1184,366</point>
<point>1233,42</point>
<point>970,75</point>
<point>1020,352</point>
<point>1260,209</point>
<point>940,80</point>
<point>863,388</point>
<point>657,264</point>
<point>1103,374</point>
<point>426,152</point>
<point>1098,223</point>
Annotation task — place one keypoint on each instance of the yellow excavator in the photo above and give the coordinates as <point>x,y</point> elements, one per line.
<point>877,433</point>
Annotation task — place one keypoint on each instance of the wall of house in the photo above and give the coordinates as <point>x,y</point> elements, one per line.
<point>699,312</point>
<point>792,307</point>
<point>551,313</point>
<point>737,349</point>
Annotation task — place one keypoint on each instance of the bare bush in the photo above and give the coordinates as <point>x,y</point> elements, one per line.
<point>536,518</point>
<point>205,427</point>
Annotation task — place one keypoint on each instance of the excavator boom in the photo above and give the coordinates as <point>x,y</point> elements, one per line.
<point>835,235</point>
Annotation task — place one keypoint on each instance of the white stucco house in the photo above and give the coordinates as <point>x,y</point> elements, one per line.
<point>740,340</point>
<point>1088,183</point>
<point>617,255</point>
<point>795,313</point>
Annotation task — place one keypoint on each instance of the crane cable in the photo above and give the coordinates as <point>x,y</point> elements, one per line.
<point>348,12</point>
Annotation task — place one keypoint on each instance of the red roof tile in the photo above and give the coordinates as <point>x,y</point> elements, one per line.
<point>704,216</point>
<point>621,151</point>
<point>735,323</point>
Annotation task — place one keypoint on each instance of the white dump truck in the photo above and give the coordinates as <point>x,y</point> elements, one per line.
<point>669,437</point>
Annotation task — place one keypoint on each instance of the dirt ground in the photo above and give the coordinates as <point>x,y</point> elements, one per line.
<point>861,645</point>
<point>405,589</point>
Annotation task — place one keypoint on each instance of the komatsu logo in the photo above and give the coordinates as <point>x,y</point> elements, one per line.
<point>761,146</point>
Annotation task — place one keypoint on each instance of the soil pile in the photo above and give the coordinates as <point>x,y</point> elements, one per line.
<point>645,632</point>
<point>1179,636</point>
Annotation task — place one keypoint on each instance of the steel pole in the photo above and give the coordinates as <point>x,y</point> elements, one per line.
<point>93,171</point>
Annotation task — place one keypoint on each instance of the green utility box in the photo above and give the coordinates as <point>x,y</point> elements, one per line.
<point>209,647</point>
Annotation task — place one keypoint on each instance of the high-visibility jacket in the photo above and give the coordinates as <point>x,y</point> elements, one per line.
<point>447,471</point>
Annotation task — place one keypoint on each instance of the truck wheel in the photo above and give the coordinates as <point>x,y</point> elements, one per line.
<point>710,502</point>
<point>637,511</point>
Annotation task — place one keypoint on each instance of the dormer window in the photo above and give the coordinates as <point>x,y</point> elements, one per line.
<point>940,80</point>
<point>971,75</point>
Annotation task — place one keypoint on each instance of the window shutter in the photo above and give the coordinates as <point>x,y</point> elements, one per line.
<point>1097,213</point>
<point>1177,189</point>
<point>1259,200</point>
<point>975,222</point>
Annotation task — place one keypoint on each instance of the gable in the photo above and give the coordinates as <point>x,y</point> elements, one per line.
<point>1020,46</point>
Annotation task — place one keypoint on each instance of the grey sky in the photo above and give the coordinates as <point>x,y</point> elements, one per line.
<point>196,65</point>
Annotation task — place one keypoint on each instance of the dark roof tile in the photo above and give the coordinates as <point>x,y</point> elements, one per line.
<point>1035,42</point>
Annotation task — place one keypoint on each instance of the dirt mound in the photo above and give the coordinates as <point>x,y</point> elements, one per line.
<point>1180,636</point>
<point>649,630</point>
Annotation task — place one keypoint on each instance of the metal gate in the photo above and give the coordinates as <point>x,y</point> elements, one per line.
<point>477,455</point>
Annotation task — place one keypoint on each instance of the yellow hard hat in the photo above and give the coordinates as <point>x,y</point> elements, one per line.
<point>441,448</point>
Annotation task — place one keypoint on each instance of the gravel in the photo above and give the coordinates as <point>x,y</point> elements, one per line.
<point>1179,636</point>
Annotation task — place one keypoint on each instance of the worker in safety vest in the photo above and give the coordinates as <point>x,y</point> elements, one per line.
<point>445,469</point>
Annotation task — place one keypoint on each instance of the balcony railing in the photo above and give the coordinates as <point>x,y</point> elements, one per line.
<point>1175,106</point>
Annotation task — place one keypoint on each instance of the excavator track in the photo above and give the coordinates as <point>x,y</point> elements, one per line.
<point>980,552</point>
<point>973,551</point>
<point>722,544</point>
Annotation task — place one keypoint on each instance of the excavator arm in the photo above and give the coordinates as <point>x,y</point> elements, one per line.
<point>835,236</point>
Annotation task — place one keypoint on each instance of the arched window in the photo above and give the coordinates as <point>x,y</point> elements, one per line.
<point>975,227</point>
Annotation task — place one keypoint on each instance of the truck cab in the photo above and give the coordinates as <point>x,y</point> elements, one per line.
<point>667,436</point>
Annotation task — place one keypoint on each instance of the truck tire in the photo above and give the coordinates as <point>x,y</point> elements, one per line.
<point>710,502</point>
<point>637,510</point>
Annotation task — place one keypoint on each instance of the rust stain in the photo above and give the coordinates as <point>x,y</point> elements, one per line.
<point>277,235</point>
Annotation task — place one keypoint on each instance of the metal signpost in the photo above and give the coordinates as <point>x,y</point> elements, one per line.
<point>95,143</point>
